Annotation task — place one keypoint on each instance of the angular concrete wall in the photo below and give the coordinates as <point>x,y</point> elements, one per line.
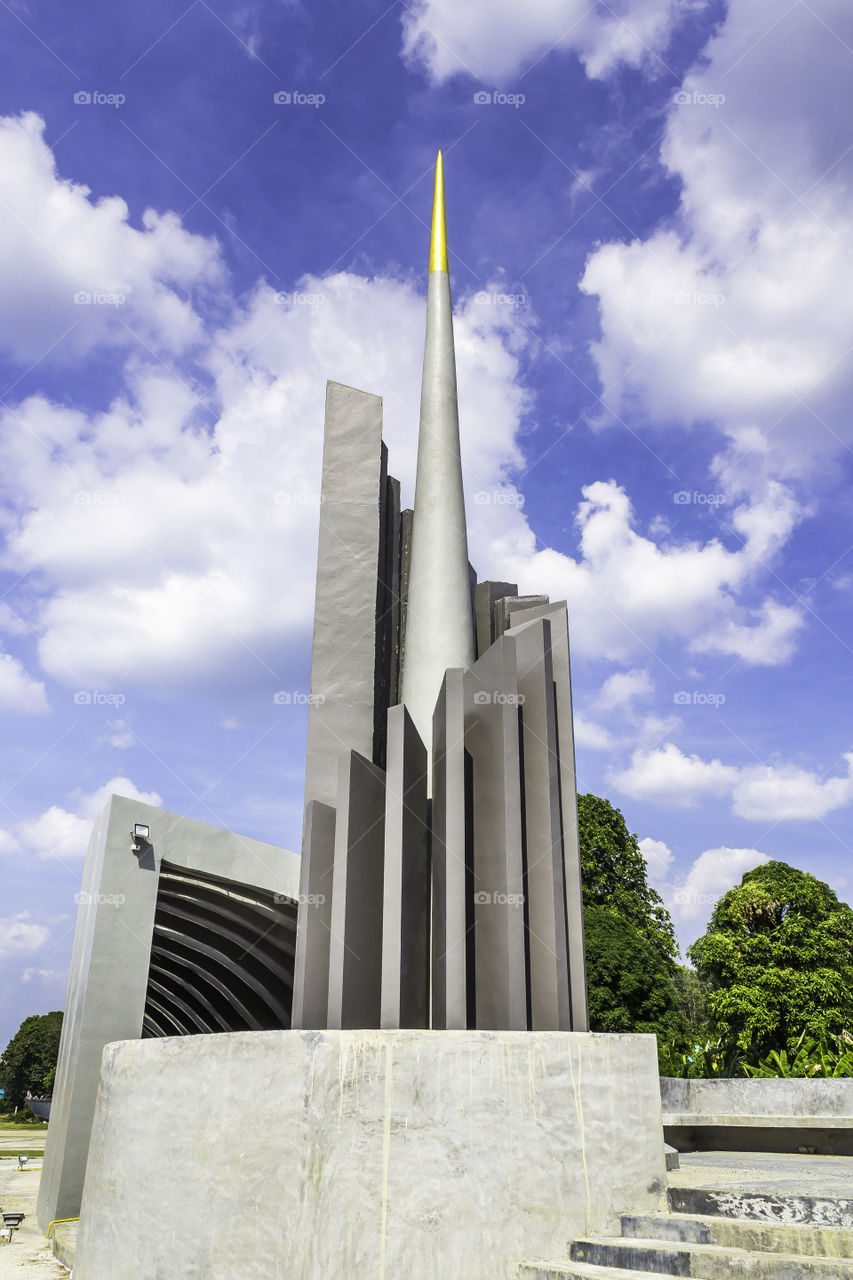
<point>399,1154</point>
<point>108,977</point>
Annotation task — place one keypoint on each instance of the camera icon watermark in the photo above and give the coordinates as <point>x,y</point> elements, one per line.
<point>485,899</point>
<point>684,299</point>
<point>295,98</point>
<point>95,498</point>
<point>84,298</point>
<point>84,98</point>
<point>98,698</point>
<point>487,98</point>
<point>499,498</point>
<point>698,699</point>
<point>297,498</point>
<point>299,298</point>
<point>298,698</point>
<point>485,697</point>
<point>684,497</point>
<point>697,98</point>
<point>100,899</point>
<point>487,297</point>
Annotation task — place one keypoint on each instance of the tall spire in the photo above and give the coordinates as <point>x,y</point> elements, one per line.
<point>439,619</point>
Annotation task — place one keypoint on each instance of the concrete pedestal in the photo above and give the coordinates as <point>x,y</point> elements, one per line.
<point>400,1155</point>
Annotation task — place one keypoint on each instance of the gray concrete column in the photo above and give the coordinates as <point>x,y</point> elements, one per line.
<point>314,921</point>
<point>452,862</point>
<point>355,949</point>
<point>405,933</point>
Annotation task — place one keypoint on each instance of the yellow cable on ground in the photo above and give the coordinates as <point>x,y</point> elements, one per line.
<point>57,1220</point>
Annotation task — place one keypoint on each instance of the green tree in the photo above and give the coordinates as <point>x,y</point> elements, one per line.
<point>613,871</point>
<point>630,983</point>
<point>29,1056</point>
<point>778,956</point>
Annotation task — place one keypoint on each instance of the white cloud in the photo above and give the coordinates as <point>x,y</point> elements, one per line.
<point>173,531</point>
<point>713,873</point>
<point>64,834</point>
<point>122,735</point>
<point>759,793</point>
<point>19,692</point>
<point>627,593</point>
<point>591,735</point>
<point>741,312</point>
<point>56,243</point>
<point>620,689</point>
<point>21,935</point>
<point>495,39</point>
<point>658,856</point>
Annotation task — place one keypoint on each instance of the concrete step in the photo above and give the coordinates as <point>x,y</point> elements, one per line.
<point>761,1206</point>
<point>740,1233</point>
<point>705,1261</point>
<point>576,1271</point>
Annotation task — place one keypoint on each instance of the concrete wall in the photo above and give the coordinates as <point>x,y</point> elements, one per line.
<point>759,1115</point>
<point>429,1155</point>
<point>108,977</point>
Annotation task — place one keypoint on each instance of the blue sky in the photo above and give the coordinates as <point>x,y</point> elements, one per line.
<point>651,255</point>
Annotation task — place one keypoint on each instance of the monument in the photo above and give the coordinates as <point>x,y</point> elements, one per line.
<point>432,1104</point>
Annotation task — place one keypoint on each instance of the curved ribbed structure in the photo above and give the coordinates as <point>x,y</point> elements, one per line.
<point>221,957</point>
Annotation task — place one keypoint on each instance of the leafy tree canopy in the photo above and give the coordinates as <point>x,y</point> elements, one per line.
<point>630,983</point>
<point>778,955</point>
<point>613,870</point>
<point>29,1057</point>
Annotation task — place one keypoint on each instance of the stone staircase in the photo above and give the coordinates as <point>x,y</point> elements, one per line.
<point>715,1232</point>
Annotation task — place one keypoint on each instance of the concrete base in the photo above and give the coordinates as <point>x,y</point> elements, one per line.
<point>384,1154</point>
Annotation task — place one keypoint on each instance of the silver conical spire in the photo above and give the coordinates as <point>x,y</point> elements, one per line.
<point>439,618</point>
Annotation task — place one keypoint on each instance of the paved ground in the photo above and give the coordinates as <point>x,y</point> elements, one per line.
<point>28,1140</point>
<point>830,1176</point>
<point>29,1254</point>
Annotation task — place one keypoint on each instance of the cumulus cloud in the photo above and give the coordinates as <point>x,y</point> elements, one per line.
<point>759,793</point>
<point>591,735</point>
<point>691,898</point>
<point>741,311</point>
<point>57,245</point>
<point>19,692</point>
<point>620,689</point>
<point>193,541</point>
<point>64,834</point>
<point>21,935</point>
<point>494,39</point>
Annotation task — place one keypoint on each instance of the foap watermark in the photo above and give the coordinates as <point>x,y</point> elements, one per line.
<point>98,698</point>
<point>296,98</point>
<point>96,498</point>
<point>484,899</point>
<point>698,98</point>
<point>297,498</point>
<point>94,98</point>
<point>698,699</point>
<point>100,899</point>
<point>685,299</point>
<point>498,498</point>
<point>490,297</point>
<point>298,698</point>
<point>299,298</point>
<point>304,899</point>
<point>684,497</point>
<point>85,298</point>
<point>485,697</point>
<point>496,98</point>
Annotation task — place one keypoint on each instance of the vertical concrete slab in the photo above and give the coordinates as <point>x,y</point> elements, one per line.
<point>452,862</point>
<point>314,921</point>
<point>486,596</point>
<point>343,658</point>
<point>492,739</point>
<point>561,666</point>
<point>108,977</point>
<point>540,775</point>
<point>405,918</point>
<point>355,949</point>
<point>105,999</point>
